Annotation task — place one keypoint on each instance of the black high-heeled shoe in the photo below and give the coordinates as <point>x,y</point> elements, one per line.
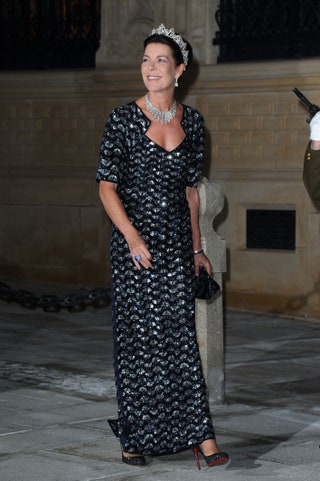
<point>211,460</point>
<point>134,460</point>
<point>138,460</point>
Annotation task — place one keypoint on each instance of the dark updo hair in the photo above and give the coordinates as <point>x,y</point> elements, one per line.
<point>177,54</point>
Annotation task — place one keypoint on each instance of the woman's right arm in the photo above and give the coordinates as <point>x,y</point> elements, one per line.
<point>118,216</point>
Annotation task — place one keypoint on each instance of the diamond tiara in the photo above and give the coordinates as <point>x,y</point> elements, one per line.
<point>169,32</point>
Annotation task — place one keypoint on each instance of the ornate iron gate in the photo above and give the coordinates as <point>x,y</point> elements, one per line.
<point>43,34</point>
<point>267,29</point>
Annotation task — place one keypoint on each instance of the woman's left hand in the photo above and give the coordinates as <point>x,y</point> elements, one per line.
<point>201,260</point>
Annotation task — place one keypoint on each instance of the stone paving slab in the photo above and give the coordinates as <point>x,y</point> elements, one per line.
<point>57,392</point>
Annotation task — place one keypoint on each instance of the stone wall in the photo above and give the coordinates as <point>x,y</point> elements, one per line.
<point>258,138</point>
<point>53,228</point>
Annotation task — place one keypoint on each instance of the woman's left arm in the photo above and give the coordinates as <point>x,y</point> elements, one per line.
<point>194,203</point>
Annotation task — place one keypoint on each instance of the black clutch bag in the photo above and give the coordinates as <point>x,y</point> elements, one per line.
<point>205,286</point>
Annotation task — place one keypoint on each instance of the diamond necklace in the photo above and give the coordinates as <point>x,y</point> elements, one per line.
<point>159,115</point>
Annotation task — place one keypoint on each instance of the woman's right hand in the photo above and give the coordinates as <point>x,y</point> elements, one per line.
<point>140,253</point>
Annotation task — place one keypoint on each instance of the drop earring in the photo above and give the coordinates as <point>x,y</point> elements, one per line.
<point>176,82</point>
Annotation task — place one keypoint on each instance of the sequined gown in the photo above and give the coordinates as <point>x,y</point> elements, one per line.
<point>162,397</point>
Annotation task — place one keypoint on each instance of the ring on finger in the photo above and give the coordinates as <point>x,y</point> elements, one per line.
<point>137,258</point>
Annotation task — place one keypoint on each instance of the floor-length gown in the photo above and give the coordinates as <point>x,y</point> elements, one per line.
<point>162,396</point>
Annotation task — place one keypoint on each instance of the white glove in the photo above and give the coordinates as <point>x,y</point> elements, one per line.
<point>315,127</point>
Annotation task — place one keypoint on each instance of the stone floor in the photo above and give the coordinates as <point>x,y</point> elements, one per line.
<point>57,392</point>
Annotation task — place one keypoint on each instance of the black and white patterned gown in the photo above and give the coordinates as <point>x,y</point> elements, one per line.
<point>162,396</point>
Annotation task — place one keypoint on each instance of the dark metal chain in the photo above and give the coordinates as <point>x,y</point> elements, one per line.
<point>78,301</point>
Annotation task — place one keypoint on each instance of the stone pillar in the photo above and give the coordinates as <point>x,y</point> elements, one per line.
<point>209,314</point>
<point>126,23</point>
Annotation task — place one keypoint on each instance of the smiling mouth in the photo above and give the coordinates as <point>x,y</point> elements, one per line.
<point>152,77</point>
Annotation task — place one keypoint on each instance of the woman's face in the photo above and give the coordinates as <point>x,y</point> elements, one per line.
<point>159,68</point>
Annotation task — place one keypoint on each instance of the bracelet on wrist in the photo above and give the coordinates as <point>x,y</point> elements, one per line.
<point>200,251</point>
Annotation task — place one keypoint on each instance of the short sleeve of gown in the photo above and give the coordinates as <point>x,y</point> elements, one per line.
<point>112,149</point>
<point>197,150</point>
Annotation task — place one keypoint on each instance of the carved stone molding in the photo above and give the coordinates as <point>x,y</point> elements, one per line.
<point>126,24</point>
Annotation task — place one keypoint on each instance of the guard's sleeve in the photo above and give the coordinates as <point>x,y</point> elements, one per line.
<point>311,172</point>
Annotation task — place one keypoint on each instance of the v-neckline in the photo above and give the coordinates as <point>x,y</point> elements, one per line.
<point>163,148</point>
<point>153,141</point>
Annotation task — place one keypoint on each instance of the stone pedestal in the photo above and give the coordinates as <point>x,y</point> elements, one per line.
<point>209,314</point>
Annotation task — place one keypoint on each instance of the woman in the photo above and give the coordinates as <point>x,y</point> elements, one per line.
<point>150,164</point>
